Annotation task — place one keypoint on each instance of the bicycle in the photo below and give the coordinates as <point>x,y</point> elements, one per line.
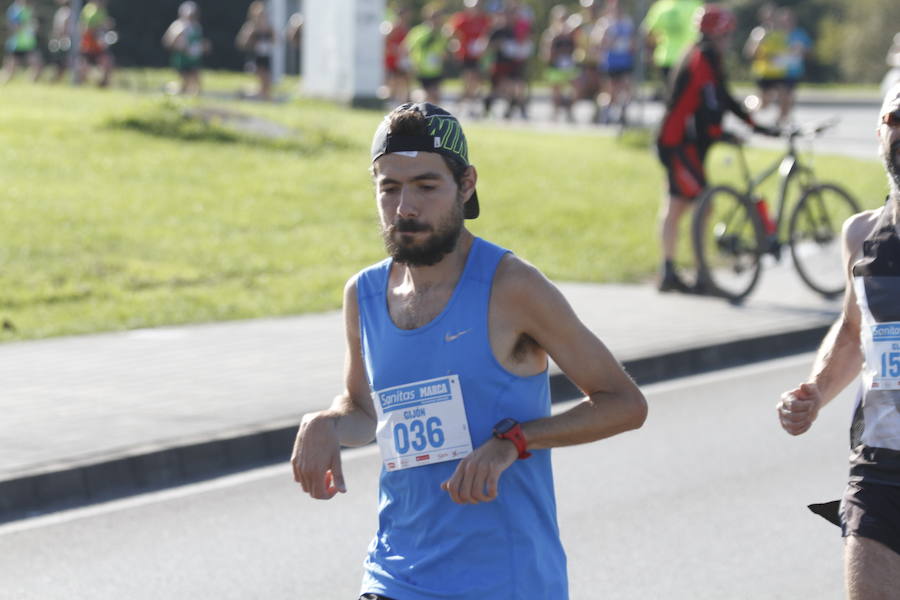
<point>732,230</point>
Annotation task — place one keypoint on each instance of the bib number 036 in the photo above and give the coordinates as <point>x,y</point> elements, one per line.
<point>418,435</point>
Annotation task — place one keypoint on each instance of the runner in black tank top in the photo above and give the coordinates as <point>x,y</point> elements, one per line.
<point>866,341</point>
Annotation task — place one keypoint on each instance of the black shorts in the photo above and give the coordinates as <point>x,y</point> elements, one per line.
<point>263,63</point>
<point>471,64</point>
<point>872,510</point>
<point>772,83</point>
<point>684,167</point>
<point>619,73</point>
<point>430,82</point>
<point>508,69</point>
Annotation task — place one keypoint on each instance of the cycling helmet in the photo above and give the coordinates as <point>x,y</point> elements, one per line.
<point>715,19</point>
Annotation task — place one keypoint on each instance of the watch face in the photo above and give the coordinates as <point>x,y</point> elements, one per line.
<point>505,425</point>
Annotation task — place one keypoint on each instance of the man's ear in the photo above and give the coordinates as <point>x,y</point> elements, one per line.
<point>469,179</point>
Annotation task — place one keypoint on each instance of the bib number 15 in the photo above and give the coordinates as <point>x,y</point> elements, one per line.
<point>418,435</point>
<point>890,364</point>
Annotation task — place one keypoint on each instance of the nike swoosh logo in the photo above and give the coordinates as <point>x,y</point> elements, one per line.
<point>449,337</point>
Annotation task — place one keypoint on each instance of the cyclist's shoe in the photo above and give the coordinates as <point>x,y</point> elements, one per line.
<point>671,282</point>
<point>704,287</point>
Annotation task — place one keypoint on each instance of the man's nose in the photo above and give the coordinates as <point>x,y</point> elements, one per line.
<point>407,207</point>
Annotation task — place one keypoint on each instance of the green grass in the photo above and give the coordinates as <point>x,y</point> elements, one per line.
<point>118,214</point>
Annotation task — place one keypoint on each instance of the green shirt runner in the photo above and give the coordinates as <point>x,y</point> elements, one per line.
<point>671,22</point>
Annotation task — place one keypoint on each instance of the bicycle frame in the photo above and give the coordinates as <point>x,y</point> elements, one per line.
<point>786,166</point>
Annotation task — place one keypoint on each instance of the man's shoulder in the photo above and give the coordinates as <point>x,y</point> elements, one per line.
<point>860,226</point>
<point>516,278</point>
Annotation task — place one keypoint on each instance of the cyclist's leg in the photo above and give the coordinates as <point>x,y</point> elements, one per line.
<point>686,181</point>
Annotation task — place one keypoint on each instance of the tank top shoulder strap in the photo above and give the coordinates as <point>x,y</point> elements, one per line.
<point>372,281</point>
<point>881,250</point>
<point>484,261</point>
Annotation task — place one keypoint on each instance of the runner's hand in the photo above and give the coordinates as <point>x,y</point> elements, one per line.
<point>799,407</point>
<point>316,458</point>
<point>477,476</point>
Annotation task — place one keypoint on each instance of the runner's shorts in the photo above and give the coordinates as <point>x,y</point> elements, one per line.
<point>872,510</point>
<point>684,167</point>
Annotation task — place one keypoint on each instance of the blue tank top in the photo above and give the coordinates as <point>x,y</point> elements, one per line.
<point>427,547</point>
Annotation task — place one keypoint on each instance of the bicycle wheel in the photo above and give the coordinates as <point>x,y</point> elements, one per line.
<point>728,239</point>
<point>815,237</point>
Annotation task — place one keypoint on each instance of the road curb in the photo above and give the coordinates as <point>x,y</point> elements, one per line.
<point>188,461</point>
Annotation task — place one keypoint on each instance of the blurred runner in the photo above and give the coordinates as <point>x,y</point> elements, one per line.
<point>693,121</point>
<point>588,83</point>
<point>428,46</point>
<point>862,345</point>
<point>558,54</point>
<point>184,39</point>
<point>396,58</point>
<point>469,29</point>
<point>97,35</point>
<point>767,49</point>
<point>799,45</point>
<point>257,38</point>
<point>669,31</point>
<point>510,47</point>
<point>616,40</point>
<point>60,44</point>
<point>21,45</point>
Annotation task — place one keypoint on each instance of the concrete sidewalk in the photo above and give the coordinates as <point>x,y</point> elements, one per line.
<point>94,417</point>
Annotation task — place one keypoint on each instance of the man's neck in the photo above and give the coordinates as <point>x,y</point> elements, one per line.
<point>894,206</point>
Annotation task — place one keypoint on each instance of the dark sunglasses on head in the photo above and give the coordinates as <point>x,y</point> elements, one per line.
<point>892,119</point>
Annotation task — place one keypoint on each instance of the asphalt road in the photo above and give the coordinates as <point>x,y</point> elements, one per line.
<point>706,501</point>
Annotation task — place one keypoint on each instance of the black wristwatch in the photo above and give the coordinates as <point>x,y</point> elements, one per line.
<point>510,429</point>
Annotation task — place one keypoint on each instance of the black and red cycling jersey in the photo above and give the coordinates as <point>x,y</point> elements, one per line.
<point>699,100</point>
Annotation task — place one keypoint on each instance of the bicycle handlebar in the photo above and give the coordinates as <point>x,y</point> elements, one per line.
<point>813,131</point>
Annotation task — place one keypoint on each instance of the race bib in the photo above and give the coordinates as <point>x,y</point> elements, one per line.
<point>883,357</point>
<point>422,423</point>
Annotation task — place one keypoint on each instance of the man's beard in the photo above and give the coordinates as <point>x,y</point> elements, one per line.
<point>891,158</point>
<point>440,243</point>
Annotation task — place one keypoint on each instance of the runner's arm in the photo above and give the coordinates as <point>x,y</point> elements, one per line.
<point>349,421</point>
<point>839,358</point>
<point>612,403</point>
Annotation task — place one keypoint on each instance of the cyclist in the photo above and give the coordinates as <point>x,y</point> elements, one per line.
<point>693,121</point>
<point>863,341</point>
